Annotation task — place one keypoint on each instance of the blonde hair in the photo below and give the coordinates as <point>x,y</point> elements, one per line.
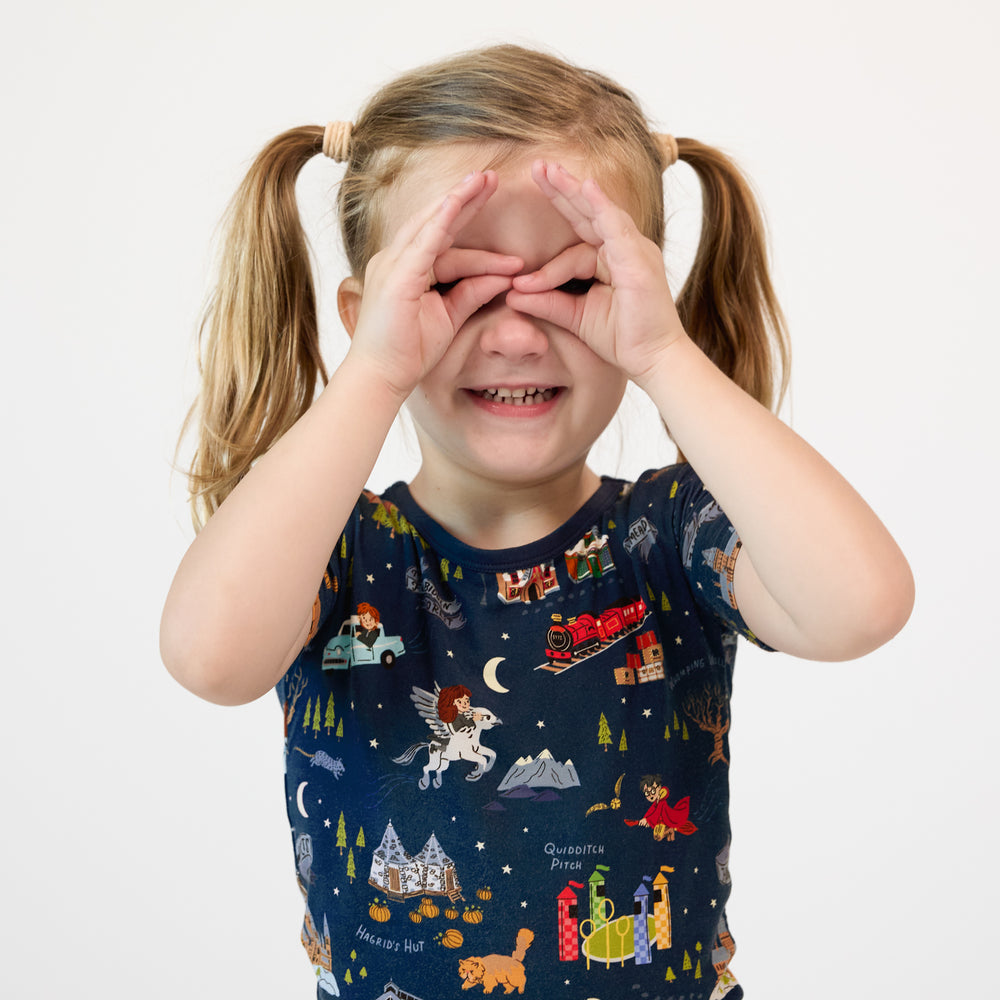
<point>260,359</point>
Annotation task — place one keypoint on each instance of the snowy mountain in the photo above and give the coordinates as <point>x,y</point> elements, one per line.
<point>543,771</point>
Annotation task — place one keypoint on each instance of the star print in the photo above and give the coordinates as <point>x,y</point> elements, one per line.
<point>451,655</point>
<point>714,903</point>
<point>380,704</point>
<point>370,578</point>
<point>453,819</point>
<point>524,904</point>
<point>388,565</point>
<point>566,981</point>
<point>623,701</point>
<point>647,712</point>
<point>373,744</point>
<point>679,641</point>
<point>505,636</point>
<point>336,891</point>
<point>525,829</point>
<point>700,587</point>
<point>480,846</point>
<point>540,724</point>
<point>506,870</point>
<point>696,871</point>
<point>326,823</point>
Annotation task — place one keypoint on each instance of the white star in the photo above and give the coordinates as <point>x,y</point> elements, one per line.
<point>623,701</point>
<point>373,744</point>
<point>370,578</point>
<point>380,704</point>
<point>566,981</point>
<point>480,846</point>
<point>540,724</point>
<point>696,871</point>
<point>647,712</point>
<point>336,891</point>
<point>453,819</point>
<point>505,636</point>
<point>326,823</point>
<point>700,587</point>
<point>714,903</point>
<point>506,869</point>
<point>451,655</point>
<point>524,904</point>
<point>388,565</point>
<point>525,829</point>
<point>678,641</point>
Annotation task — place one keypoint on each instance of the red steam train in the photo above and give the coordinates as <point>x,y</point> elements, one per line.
<point>585,634</point>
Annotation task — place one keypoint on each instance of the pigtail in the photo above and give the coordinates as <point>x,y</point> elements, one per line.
<point>728,305</point>
<point>259,339</point>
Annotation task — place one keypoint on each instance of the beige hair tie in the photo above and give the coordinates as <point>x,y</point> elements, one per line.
<point>668,148</point>
<point>337,140</point>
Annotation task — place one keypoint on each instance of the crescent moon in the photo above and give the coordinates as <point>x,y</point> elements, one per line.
<point>298,799</point>
<point>490,675</point>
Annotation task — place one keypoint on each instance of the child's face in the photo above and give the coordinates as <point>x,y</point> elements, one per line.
<point>461,431</point>
<point>463,703</point>
<point>367,620</point>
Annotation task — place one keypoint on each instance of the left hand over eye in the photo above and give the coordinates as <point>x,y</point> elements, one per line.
<point>610,289</point>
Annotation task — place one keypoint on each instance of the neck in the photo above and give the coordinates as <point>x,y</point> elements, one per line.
<point>486,515</point>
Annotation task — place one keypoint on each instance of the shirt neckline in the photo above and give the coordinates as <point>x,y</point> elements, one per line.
<point>519,557</point>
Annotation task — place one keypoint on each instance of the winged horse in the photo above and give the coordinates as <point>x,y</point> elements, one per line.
<point>448,744</point>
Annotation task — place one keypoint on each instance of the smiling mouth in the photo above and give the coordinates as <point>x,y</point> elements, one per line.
<point>518,397</point>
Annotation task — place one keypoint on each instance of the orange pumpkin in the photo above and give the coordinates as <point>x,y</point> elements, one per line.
<point>473,915</point>
<point>428,907</point>
<point>452,938</point>
<point>451,913</point>
<point>379,911</point>
<point>416,916</point>
<point>486,893</point>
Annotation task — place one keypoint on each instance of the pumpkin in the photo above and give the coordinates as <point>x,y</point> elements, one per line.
<point>452,938</point>
<point>428,907</point>
<point>379,911</point>
<point>451,913</point>
<point>416,916</point>
<point>486,893</point>
<point>473,915</point>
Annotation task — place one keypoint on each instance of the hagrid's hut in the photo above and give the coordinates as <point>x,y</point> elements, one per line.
<point>400,875</point>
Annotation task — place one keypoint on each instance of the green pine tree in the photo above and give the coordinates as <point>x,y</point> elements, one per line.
<point>686,967</point>
<point>360,842</point>
<point>341,834</point>
<point>444,569</point>
<point>351,870</point>
<point>340,728</point>
<point>670,977</point>
<point>666,732</point>
<point>664,602</point>
<point>363,973</point>
<point>347,977</point>
<point>457,575</point>
<point>307,716</point>
<point>684,734</point>
<point>317,721</point>
<point>604,733</point>
<point>330,717</point>
<point>697,971</point>
<point>623,743</point>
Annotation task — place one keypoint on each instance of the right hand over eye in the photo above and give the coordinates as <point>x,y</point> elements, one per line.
<point>419,289</point>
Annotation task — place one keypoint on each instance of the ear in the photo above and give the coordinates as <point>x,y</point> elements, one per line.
<point>349,303</point>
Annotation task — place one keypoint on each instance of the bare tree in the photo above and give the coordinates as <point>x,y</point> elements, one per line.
<point>709,709</point>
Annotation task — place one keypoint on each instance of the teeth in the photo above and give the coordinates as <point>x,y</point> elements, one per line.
<point>518,397</point>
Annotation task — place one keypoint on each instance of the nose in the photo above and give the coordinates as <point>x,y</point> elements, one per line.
<point>511,335</point>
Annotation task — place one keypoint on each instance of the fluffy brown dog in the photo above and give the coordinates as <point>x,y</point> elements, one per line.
<point>491,971</point>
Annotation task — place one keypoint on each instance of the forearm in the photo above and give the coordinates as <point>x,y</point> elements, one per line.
<point>818,575</point>
<point>240,604</point>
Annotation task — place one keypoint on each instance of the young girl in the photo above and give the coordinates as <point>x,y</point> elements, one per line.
<point>503,218</point>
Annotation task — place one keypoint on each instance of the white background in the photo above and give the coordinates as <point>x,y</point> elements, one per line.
<point>145,850</point>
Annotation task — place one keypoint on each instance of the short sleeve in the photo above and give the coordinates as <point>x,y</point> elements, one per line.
<point>708,546</point>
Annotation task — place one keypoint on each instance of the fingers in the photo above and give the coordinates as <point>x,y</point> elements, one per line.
<point>592,214</point>
<point>577,261</point>
<point>454,264</point>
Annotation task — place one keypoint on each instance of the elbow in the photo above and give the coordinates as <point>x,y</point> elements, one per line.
<point>207,672</point>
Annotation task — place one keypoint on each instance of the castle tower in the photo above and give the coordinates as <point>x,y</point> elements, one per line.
<point>640,925</point>
<point>599,904</point>
<point>569,938</point>
<point>661,909</point>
